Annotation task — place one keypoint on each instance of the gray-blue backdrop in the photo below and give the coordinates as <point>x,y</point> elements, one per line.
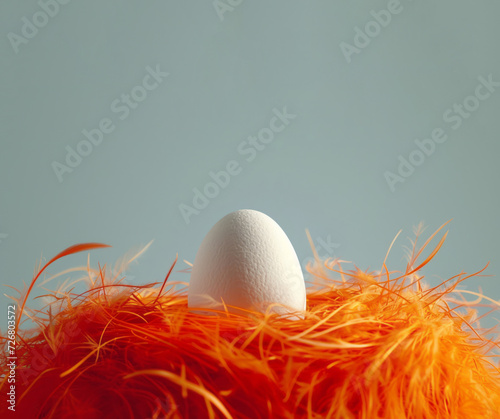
<point>126,121</point>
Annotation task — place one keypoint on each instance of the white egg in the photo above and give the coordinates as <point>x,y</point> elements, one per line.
<point>246,260</point>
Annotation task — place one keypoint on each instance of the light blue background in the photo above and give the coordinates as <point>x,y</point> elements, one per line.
<point>324,172</point>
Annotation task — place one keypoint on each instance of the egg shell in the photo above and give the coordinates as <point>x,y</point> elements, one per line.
<point>246,260</point>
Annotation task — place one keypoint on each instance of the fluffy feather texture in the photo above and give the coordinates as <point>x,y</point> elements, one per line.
<point>371,345</point>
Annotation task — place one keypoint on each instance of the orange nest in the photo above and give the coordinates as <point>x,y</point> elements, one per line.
<point>370,346</point>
